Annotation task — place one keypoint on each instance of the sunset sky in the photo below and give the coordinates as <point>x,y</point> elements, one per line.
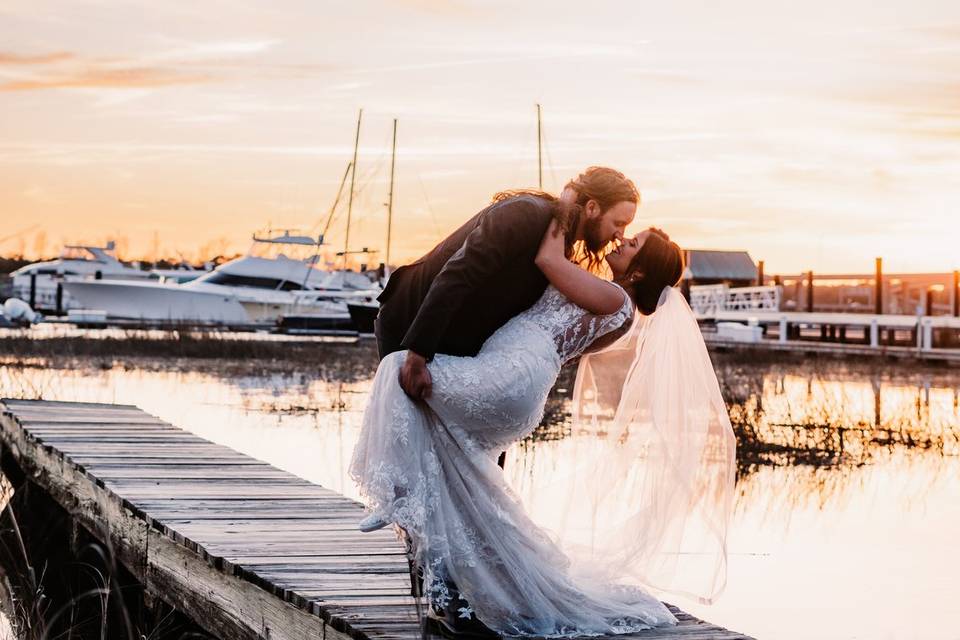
<point>815,135</point>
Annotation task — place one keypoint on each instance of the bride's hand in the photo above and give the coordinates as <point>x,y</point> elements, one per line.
<point>553,245</point>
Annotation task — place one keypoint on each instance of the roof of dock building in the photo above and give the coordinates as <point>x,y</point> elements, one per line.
<point>710,264</point>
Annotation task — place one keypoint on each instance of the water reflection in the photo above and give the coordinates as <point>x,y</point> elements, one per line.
<point>820,414</point>
<point>838,414</point>
<point>843,468</point>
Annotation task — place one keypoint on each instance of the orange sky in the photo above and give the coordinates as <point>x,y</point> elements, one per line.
<point>814,136</point>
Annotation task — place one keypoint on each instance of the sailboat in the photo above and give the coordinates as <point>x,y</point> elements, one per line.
<point>354,313</point>
<point>363,314</point>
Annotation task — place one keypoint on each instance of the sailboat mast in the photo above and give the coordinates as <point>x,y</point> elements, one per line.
<point>393,164</point>
<point>336,201</point>
<point>326,227</point>
<point>539,148</point>
<point>353,180</point>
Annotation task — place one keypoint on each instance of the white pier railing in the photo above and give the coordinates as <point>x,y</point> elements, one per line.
<point>709,300</point>
<point>746,314</point>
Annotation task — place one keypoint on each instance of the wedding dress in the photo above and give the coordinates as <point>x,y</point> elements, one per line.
<point>432,470</point>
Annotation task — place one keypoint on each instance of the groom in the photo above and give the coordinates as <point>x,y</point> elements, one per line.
<point>453,298</point>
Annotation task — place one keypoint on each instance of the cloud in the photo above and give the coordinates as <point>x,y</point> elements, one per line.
<point>190,63</point>
<point>7,58</point>
<point>201,50</point>
<point>101,77</point>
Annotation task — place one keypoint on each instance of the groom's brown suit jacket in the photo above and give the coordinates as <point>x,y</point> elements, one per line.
<point>453,298</point>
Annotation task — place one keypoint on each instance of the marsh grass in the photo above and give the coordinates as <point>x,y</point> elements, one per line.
<point>185,343</point>
<point>53,591</point>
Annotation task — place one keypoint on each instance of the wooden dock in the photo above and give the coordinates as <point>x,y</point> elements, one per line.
<point>244,549</point>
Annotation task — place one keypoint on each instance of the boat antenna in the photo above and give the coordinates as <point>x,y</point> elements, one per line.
<point>353,175</point>
<point>393,165</point>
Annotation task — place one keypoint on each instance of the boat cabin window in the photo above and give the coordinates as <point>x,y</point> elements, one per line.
<point>233,280</point>
<point>54,272</point>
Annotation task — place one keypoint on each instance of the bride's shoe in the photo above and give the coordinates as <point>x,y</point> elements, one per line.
<point>372,522</point>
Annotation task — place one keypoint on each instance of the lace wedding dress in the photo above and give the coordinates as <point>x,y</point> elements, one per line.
<point>433,471</point>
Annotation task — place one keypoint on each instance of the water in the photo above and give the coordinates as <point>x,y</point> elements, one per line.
<point>848,505</point>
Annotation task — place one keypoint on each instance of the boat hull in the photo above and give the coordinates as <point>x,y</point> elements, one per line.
<point>157,303</point>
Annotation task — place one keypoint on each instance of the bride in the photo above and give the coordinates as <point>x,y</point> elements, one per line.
<point>647,510</point>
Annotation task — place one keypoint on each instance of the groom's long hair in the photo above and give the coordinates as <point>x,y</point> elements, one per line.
<point>604,185</point>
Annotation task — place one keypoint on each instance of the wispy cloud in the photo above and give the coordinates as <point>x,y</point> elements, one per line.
<point>8,58</point>
<point>183,64</point>
<point>198,51</point>
<point>93,77</point>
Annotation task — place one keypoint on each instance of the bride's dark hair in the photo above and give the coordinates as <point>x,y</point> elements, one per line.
<point>604,185</point>
<point>658,264</point>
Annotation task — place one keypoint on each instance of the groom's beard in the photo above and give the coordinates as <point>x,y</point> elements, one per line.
<point>592,240</point>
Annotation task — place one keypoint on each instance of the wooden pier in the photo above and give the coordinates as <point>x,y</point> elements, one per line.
<point>244,549</point>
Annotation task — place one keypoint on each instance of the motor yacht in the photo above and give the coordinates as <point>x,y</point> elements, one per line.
<point>37,283</point>
<point>277,276</point>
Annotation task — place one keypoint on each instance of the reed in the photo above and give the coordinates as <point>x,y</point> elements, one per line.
<point>52,586</point>
<point>183,344</point>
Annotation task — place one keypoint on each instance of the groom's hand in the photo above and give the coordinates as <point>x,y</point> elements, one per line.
<point>415,378</point>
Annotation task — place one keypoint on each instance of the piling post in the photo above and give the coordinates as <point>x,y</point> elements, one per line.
<point>918,329</point>
<point>783,329</point>
<point>809,291</point>
<point>927,343</point>
<point>874,333</point>
<point>760,273</point>
<point>878,296</point>
<point>929,302</point>
<point>956,293</point>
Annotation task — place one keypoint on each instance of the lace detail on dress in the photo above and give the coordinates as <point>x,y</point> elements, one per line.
<point>574,328</point>
<point>432,471</point>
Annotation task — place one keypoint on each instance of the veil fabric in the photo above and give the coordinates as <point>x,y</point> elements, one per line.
<point>649,494</point>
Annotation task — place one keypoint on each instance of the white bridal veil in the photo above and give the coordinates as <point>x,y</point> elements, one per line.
<point>649,494</point>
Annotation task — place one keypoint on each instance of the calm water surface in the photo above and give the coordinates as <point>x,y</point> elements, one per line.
<point>848,507</point>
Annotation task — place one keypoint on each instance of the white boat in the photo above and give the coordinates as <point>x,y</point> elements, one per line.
<point>277,276</point>
<point>328,309</point>
<point>37,283</point>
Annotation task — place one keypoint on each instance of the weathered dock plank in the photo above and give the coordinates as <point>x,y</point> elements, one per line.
<point>245,549</point>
